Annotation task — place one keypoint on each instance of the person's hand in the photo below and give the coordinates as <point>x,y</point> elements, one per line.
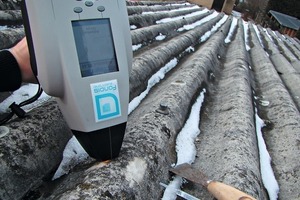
<point>21,54</point>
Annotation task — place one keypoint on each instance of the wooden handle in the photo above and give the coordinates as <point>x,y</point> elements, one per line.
<point>222,191</point>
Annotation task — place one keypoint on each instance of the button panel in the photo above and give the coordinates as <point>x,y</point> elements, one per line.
<point>79,9</point>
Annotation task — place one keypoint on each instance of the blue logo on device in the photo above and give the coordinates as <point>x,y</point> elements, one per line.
<point>106,100</point>
<point>107,106</point>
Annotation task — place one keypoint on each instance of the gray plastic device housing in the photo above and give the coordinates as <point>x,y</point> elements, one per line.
<point>56,58</point>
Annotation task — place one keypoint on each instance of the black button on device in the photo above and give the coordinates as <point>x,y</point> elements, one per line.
<point>100,8</point>
<point>89,3</point>
<point>78,9</point>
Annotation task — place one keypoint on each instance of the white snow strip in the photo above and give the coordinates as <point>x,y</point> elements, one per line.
<point>246,36</point>
<point>233,27</point>
<point>267,173</point>
<point>180,4</point>
<point>199,23</point>
<point>185,147</point>
<point>258,35</point>
<point>275,35</point>
<point>269,35</point>
<point>175,10</point>
<point>155,78</point>
<point>22,94</point>
<point>160,37</point>
<point>165,20</point>
<point>72,156</point>
<point>136,47</point>
<point>259,38</point>
<point>214,29</point>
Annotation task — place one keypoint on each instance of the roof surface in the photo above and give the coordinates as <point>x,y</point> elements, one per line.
<point>286,20</point>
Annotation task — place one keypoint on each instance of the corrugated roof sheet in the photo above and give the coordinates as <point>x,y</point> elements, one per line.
<point>286,20</point>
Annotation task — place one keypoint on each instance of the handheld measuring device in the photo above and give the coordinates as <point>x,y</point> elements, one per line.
<point>81,53</point>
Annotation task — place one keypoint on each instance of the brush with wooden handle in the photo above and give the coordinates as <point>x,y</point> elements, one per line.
<point>219,190</point>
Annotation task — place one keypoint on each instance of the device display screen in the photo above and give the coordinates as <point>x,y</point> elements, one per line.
<point>95,47</point>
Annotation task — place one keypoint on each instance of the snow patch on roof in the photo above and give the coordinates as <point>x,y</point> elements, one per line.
<point>233,27</point>
<point>165,20</point>
<point>160,37</point>
<point>267,173</point>
<point>155,78</point>
<point>136,47</point>
<point>258,35</point>
<point>198,23</point>
<point>214,29</point>
<point>22,94</point>
<point>185,145</point>
<point>72,156</point>
<point>175,10</point>
<point>246,35</point>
